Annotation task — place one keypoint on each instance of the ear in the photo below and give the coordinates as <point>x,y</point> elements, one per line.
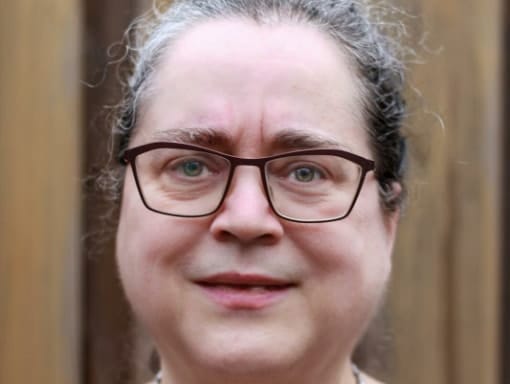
<point>392,216</point>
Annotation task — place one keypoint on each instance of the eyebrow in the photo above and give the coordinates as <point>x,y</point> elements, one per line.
<point>285,140</point>
<point>294,139</point>
<point>206,137</point>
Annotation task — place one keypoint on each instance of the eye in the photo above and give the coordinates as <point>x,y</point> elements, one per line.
<point>191,168</point>
<point>306,174</point>
<point>300,170</point>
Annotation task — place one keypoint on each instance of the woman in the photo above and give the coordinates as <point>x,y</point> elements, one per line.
<point>261,198</point>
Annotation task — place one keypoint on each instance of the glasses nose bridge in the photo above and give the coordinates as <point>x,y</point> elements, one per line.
<point>253,162</point>
<point>236,162</point>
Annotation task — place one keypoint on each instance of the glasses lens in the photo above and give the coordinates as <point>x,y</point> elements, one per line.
<point>180,181</point>
<point>312,187</point>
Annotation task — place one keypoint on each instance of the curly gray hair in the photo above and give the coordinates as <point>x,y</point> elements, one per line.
<point>348,22</point>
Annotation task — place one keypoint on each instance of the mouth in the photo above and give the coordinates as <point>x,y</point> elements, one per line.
<point>245,291</point>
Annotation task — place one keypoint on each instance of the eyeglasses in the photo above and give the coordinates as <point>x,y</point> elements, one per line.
<point>307,186</point>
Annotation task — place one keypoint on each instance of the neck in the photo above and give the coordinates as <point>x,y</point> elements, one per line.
<point>350,376</point>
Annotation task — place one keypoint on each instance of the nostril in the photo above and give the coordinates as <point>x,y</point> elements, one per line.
<point>246,222</point>
<point>235,236</point>
<point>224,235</point>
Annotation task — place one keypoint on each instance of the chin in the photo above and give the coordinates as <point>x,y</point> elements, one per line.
<point>248,362</point>
<point>249,350</point>
<point>262,364</point>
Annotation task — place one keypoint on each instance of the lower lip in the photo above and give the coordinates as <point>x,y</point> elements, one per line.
<point>237,298</point>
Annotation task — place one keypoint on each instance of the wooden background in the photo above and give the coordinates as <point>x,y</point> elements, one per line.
<point>40,157</point>
<point>445,300</point>
<point>505,270</point>
<point>62,315</point>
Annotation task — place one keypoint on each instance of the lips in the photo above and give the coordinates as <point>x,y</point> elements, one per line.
<point>244,291</point>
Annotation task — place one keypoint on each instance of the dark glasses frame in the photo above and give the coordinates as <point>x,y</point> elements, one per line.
<point>366,166</point>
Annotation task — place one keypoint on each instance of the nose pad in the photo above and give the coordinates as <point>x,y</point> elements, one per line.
<point>246,214</point>
<point>270,196</point>
<point>270,191</point>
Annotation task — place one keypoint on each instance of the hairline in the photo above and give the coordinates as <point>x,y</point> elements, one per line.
<point>147,88</point>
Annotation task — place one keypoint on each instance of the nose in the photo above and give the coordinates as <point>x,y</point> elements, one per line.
<point>246,215</point>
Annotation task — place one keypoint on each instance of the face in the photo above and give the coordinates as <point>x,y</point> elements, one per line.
<point>253,91</point>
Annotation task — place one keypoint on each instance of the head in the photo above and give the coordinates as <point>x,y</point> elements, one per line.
<point>254,79</point>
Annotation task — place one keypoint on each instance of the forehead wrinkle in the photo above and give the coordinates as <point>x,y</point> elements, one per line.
<point>208,137</point>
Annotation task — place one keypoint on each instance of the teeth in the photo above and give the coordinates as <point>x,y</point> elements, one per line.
<point>257,289</point>
<point>250,288</point>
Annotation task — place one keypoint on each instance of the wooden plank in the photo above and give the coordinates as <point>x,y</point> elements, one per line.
<point>445,294</point>
<point>109,342</point>
<point>477,252</point>
<point>505,270</point>
<point>39,192</point>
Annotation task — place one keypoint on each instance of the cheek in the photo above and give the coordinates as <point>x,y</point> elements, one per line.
<point>150,249</point>
<point>348,270</point>
<point>351,257</point>
<point>148,237</point>
<point>347,247</point>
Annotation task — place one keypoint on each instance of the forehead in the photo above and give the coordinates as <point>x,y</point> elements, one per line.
<point>253,81</point>
<point>242,40</point>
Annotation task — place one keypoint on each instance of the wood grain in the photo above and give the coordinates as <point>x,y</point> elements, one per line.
<point>39,192</point>
<point>445,295</point>
<point>108,344</point>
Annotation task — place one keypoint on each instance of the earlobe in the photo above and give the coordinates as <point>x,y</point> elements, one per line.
<point>393,200</point>
<point>392,220</point>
